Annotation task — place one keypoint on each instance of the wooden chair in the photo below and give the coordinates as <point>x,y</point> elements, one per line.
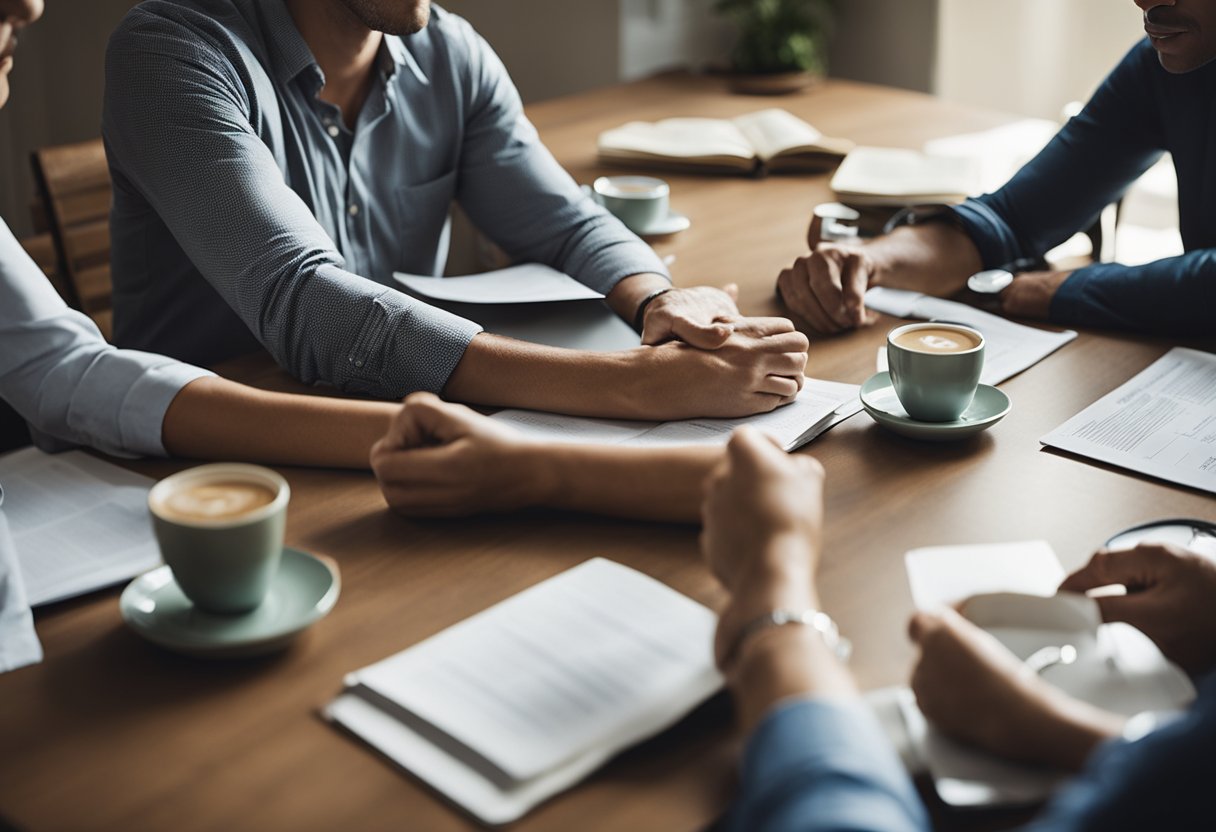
<point>74,182</point>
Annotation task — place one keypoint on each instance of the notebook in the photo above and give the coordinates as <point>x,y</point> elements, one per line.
<point>517,703</point>
<point>772,140</point>
<point>893,177</point>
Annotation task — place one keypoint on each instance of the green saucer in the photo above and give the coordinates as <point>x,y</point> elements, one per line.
<point>878,398</point>
<point>303,591</point>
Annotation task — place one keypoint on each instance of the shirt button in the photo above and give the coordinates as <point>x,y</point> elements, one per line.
<point>332,130</point>
<point>353,209</point>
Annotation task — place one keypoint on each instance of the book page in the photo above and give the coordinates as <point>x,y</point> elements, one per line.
<point>565,667</point>
<point>788,424</point>
<point>901,175</point>
<point>1161,423</point>
<point>679,138</point>
<point>1009,347</point>
<point>79,524</point>
<point>775,131</point>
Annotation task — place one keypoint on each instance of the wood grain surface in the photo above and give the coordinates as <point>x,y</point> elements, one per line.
<point>110,732</point>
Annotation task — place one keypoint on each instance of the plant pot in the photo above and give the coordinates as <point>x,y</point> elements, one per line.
<point>772,83</point>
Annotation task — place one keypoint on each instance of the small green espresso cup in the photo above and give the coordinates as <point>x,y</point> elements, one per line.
<point>220,529</point>
<point>935,368</point>
<point>641,202</point>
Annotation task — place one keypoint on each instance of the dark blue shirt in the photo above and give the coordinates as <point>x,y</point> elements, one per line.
<point>1139,112</point>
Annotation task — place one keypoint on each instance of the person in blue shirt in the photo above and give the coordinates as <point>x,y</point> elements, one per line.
<point>274,162</point>
<point>1157,99</point>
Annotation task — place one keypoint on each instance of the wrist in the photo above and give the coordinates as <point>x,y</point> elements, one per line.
<point>629,293</point>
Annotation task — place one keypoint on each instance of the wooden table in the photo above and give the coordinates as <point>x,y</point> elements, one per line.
<point>109,732</point>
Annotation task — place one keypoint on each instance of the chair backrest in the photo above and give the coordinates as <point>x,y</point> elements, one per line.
<point>74,181</point>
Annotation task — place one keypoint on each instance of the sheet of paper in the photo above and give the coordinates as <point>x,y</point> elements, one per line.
<point>19,645</point>
<point>942,576</point>
<point>999,152</point>
<point>1010,347</point>
<point>687,137</point>
<point>792,424</point>
<point>1161,423</point>
<point>541,688</point>
<point>526,283</point>
<point>79,524</point>
<point>895,176</point>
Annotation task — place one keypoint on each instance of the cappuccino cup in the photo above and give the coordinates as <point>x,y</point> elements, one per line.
<point>935,368</point>
<point>220,530</point>
<point>641,202</point>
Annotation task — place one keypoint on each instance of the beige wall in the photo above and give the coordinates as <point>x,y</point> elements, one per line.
<point>886,42</point>
<point>1033,56</point>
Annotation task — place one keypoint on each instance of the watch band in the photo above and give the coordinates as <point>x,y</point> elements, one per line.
<point>818,621</point>
<point>639,317</point>
<point>922,214</point>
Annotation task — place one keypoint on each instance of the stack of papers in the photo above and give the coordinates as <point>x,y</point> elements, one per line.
<point>79,524</point>
<point>525,699</point>
<point>1009,348</point>
<point>820,404</point>
<point>1161,423</point>
<point>526,283</point>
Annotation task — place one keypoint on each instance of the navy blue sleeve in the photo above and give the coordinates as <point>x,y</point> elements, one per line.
<point>817,765</point>
<point>1088,165</point>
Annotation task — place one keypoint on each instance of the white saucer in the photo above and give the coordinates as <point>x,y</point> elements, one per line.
<point>878,398</point>
<point>303,591</point>
<point>672,225</point>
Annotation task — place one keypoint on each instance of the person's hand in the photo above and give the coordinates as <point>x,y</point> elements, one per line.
<point>973,689</point>
<point>698,316</point>
<point>762,519</point>
<point>1031,293</point>
<point>445,460</point>
<point>1171,598</point>
<point>827,287</point>
<point>758,369</point>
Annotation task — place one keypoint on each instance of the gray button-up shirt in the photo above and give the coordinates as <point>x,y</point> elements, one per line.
<point>64,379</point>
<point>243,204</point>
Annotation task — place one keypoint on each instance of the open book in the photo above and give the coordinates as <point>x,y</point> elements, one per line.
<point>819,405</point>
<point>887,176</point>
<point>775,140</point>
<point>505,709</point>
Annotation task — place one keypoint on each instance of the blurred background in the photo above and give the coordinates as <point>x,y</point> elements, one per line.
<point>1031,57</point>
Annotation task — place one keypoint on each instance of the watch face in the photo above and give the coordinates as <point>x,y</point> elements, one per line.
<point>1196,535</point>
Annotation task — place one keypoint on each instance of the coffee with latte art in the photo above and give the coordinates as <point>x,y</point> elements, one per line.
<point>219,500</point>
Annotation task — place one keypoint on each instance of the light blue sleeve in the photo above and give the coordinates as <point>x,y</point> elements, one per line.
<point>820,765</point>
<point>515,191</point>
<point>65,380</point>
<point>19,644</point>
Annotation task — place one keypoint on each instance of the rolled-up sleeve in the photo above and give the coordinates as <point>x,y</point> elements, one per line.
<point>819,765</point>
<point>178,125</point>
<point>515,191</point>
<point>72,387</point>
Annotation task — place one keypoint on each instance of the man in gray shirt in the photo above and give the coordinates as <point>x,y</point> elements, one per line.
<point>274,162</point>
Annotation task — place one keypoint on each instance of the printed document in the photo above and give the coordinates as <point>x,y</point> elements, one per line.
<point>819,405</point>
<point>1009,347</point>
<point>1161,423</point>
<point>78,523</point>
<point>504,709</point>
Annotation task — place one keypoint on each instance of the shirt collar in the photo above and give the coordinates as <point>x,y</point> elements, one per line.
<point>292,52</point>
<point>395,48</point>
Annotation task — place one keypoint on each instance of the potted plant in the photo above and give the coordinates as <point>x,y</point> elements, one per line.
<point>782,44</point>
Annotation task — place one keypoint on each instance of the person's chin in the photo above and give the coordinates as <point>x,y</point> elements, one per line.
<point>1176,60</point>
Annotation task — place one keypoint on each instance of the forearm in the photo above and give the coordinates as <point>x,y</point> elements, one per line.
<point>934,258</point>
<point>663,484</point>
<point>214,418</point>
<point>503,372</point>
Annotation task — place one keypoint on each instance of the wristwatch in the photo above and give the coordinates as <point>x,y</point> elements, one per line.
<point>923,214</point>
<point>817,620</point>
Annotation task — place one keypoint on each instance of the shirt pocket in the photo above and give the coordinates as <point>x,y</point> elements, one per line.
<point>421,224</point>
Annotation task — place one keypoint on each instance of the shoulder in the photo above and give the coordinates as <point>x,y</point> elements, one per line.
<point>205,31</point>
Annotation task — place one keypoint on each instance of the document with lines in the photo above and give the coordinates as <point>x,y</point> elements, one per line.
<point>521,701</point>
<point>1161,423</point>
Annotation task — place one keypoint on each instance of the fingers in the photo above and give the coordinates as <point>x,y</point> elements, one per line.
<point>855,279</point>
<point>762,327</point>
<point>795,288</point>
<point>749,449</point>
<point>710,336</point>
<point>825,278</point>
<point>921,625</point>
<point>782,386</point>
<point>732,289</point>
<point>1134,568</point>
<point>406,431</point>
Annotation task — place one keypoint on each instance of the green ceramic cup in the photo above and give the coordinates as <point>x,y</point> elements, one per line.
<point>220,529</point>
<point>935,368</point>
<point>641,202</point>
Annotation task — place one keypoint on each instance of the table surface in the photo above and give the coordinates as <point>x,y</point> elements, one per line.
<point>110,732</point>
